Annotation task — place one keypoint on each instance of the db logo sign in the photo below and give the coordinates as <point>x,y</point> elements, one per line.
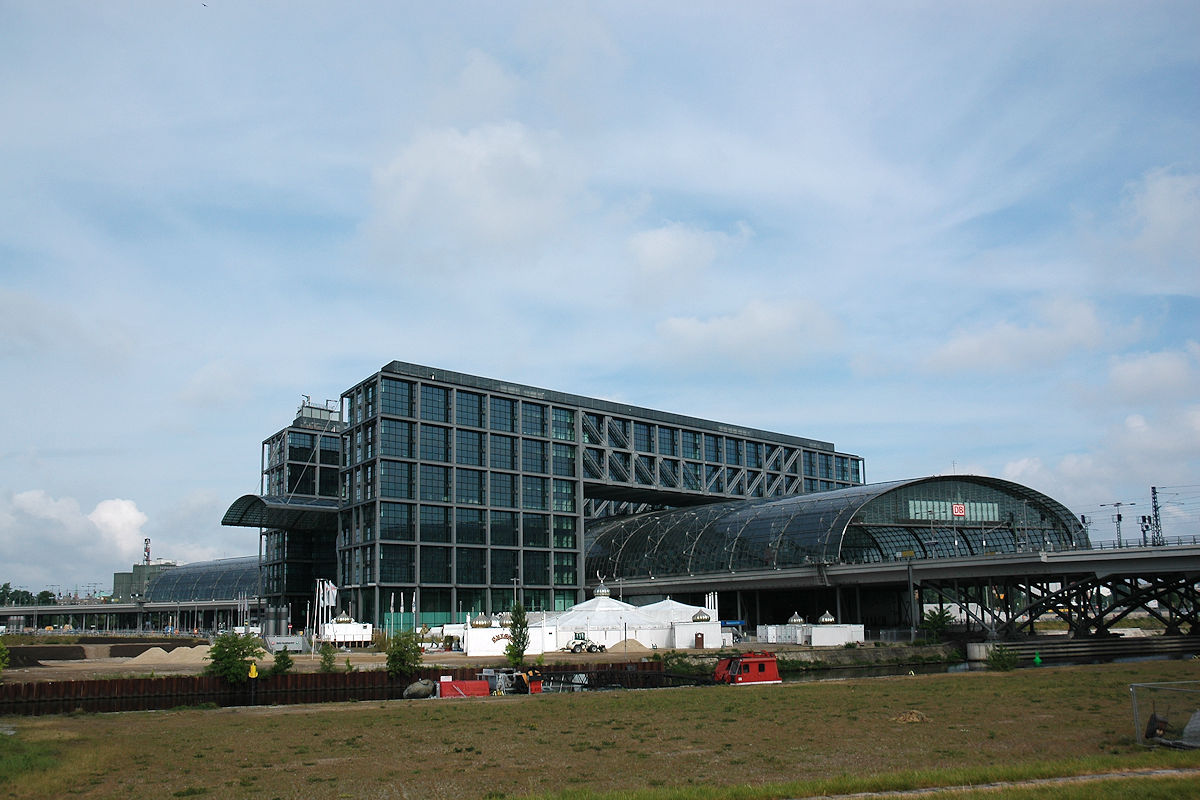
<point>959,509</point>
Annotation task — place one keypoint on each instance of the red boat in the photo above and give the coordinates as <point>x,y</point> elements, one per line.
<point>753,667</point>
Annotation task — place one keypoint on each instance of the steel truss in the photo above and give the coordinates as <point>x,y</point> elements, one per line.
<point>1010,608</point>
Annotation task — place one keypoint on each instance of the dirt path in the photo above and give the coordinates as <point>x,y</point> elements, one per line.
<point>951,790</point>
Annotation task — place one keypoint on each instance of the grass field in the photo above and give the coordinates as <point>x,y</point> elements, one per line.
<point>794,740</point>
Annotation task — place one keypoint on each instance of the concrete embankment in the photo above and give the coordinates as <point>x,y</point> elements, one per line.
<point>1063,649</point>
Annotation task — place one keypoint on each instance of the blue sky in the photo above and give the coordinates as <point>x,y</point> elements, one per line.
<point>947,237</point>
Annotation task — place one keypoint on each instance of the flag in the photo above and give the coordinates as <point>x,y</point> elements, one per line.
<point>326,594</point>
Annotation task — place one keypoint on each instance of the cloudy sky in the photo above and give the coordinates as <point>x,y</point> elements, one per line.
<point>947,237</point>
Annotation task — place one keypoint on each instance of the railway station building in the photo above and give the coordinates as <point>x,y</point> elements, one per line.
<point>457,494</point>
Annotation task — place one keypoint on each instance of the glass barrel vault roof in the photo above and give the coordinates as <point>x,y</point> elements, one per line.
<point>934,517</point>
<point>226,579</point>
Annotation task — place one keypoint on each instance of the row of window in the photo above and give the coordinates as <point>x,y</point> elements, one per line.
<point>470,409</point>
<point>409,564</point>
<point>401,480</point>
<point>441,524</point>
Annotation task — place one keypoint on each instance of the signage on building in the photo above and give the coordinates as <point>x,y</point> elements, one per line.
<point>959,510</point>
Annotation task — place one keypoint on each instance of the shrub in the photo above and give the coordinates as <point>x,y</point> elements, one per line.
<point>283,663</point>
<point>935,622</point>
<point>328,657</point>
<point>231,656</point>
<point>3,658</point>
<point>1001,659</point>
<point>403,654</point>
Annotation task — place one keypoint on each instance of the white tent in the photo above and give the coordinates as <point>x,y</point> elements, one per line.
<point>686,631</point>
<point>606,621</point>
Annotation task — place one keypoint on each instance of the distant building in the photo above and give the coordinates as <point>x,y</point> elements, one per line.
<point>130,587</point>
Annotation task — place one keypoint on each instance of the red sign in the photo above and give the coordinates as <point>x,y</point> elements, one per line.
<point>958,510</point>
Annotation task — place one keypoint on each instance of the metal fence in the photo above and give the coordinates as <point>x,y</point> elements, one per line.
<point>148,694</point>
<point>1167,714</point>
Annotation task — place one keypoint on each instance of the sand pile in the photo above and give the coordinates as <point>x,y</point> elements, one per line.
<point>155,655</point>
<point>180,655</point>
<point>628,646</point>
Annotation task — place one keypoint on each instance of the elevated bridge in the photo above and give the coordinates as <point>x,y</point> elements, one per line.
<point>1004,594</point>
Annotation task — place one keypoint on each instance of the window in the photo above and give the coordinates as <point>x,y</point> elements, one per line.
<point>468,448</point>
<point>396,521</point>
<point>504,414</point>
<point>504,567</point>
<point>533,455</point>
<point>468,409</point>
<point>472,565</point>
<point>395,480</point>
<point>535,530</point>
<point>395,439</point>
<point>435,403</point>
<point>301,447</point>
<point>564,495</point>
<point>435,443</point>
<point>396,564</point>
<point>435,483</point>
<point>504,528</point>
<point>563,424</point>
<point>469,487</point>
<point>504,490</point>
<point>826,462</point>
<point>533,419</point>
<point>533,493</point>
<point>435,524</point>
<point>712,448</point>
<point>564,533</point>
<point>331,448</point>
<point>504,452</point>
<point>469,527</point>
<point>537,568</point>
<point>690,441</point>
<point>564,569</point>
<point>643,437</point>
<point>435,565</point>
<point>754,455</point>
<point>733,451</point>
<point>396,397</point>
<point>810,464</point>
<point>564,460</point>
<point>666,441</point>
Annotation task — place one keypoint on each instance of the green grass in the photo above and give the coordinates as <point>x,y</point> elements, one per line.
<point>708,743</point>
<point>18,757</point>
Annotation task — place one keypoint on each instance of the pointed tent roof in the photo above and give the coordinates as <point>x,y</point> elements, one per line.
<point>671,611</point>
<point>604,612</point>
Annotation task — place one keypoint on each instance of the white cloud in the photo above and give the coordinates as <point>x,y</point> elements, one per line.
<point>495,189</point>
<point>85,547</point>
<point>1162,212</point>
<point>775,332</point>
<point>1160,377</point>
<point>680,252</point>
<point>1062,327</point>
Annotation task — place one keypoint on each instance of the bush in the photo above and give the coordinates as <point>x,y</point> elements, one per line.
<point>1001,659</point>
<point>328,657</point>
<point>403,654</point>
<point>3,658</point>
<point>935,623</point>
<point>283,663</point>
<point>231,656</point>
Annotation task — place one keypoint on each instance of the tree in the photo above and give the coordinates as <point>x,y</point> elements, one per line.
<point>328,656</point>
<point>3,658</point>
<point>519,630</point>
<point>403,654</point>
<point>283,663</point>
<point>936,621</point>
<point>46,598</point>
<point>231,655</point>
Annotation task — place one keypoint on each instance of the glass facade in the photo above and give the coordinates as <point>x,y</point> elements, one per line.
<point>926,518</point>
<point>465,491</point>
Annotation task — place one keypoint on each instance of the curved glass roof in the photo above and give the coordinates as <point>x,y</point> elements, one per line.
<point>289,513</point>
<point>935,517</point>
<point>226,579</point>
